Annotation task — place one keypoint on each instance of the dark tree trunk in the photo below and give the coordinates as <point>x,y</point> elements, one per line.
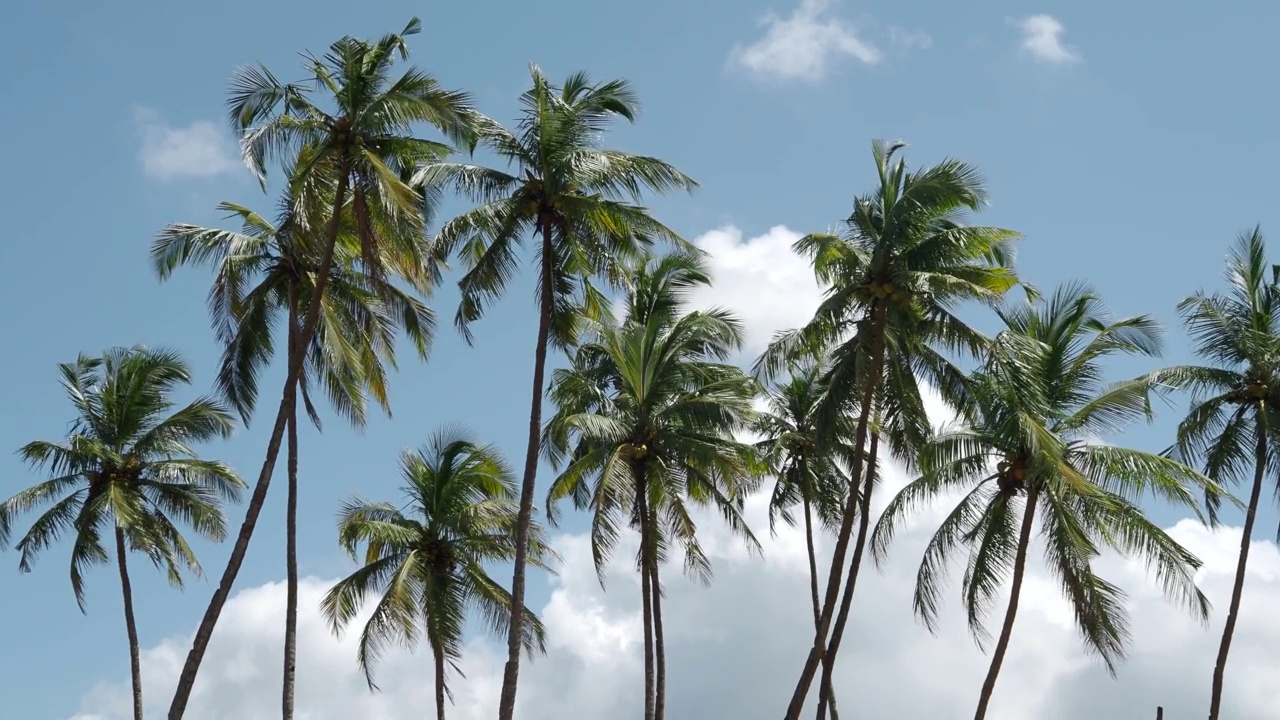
<point>646,596</point>
<point>1237,589</point>
<point>813,583</point>
<point>291,532</point>
<point>437,651</point>
<point>130,625</point>
<point>187,680</point>
<point>796,706</point>
<point>659,647</point>
<point>515,634</point>
<point>846,602</point>
<point>1006,630</point>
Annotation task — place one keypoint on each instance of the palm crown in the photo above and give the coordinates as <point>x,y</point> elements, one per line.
<point>426,558</point>
<point>127,463</point>
<point>1028,445</point>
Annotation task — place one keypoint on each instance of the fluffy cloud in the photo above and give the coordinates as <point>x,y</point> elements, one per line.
<point>770,287</point>
<point>1042,39</point>
<point>803,46</point>
<point>198,150</point>
<point>734,648</point>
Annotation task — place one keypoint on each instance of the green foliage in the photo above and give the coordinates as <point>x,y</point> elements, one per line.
<point>425,559</point>
<point>1029,434</point>
<point>126,463</point>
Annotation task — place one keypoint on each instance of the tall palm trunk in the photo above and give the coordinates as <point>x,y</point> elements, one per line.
<point>813,583</point>
<point>659,647</point>
<point>291,532</point>
<point>511,672</point>
<point>1006,630</point>
<point>846,521</point>
<point>1237,589</point>
<point>859,546</point>
<point>437,652</point>
<point>130,625</point>
<point>646,593</point>
<point>187,680</point>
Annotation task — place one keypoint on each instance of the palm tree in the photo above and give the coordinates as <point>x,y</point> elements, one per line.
<point>264,271</point>
<point>805,463</point>
<point>903,263</point>
<point>426,559</point>
<point>580,203</point>
<point>644,426</point>
<point>1028,446</point>
<point>363,147</point>
<point>127,468</point>
<point>1232,423</point>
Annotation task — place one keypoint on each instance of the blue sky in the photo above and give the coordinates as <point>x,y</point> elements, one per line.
<point>1130,147</point>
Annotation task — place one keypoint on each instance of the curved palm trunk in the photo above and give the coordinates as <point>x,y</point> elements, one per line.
<point>291,535</point>
<point>515,634</point>
<point>846,521</point>
<point>437,652</point>
<point>1237,589</point>
<point>813,586</point>
<point>130,625</point>
<point>659,647</point>
<point>187,680</point>
<point>646,597</point>
<point>859,546</point>
<point>1006,630</point>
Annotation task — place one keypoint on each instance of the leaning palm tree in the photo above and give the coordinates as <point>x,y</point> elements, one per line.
<point>426,559</point>
<point>127,468</point>
<point>903,263</point>
<point>579,203</point>
<point>1231,426</point>
<point>1027,450</point>
<point>361,146</point>
<point>264,272</point>
<point>644,426</point>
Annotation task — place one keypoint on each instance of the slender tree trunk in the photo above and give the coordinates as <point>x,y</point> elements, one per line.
<point>846,521</point>
<point>187,680</point>
<point>859,546</point>
<point>515,634</point>
<point>813,584</point>
<point>1006,630</point>
<point>659,647</point>
<point>437,651</point>
<point>646,595</point>
<point>130,625</point>
<point>291,532</point>
<point>1237,589</point>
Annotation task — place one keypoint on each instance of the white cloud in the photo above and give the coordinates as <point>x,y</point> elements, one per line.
<point>734,649</point>
<point>198,150</point>
<point>803,45</point>
<point>910,39</point>
<point>761,279</point>
<point>1042,38</point>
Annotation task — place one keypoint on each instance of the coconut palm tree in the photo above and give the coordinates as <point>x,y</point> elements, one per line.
<point>263,272</point>
<point>1028,451</point>
<point>362,145</point>
<point>644,427</point>
<point>805,462</point>
<point>1230,429</point>
<point>578,202</point>
<point>127,469</point>
<point>426,558</point>
<point>902,264</point>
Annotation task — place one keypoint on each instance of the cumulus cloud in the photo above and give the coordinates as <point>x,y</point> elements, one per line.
<point>1042,39</point>
<point>761,279</point>
<point>734,649</point>
<point>197,150</point>
<point>803,46</point>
